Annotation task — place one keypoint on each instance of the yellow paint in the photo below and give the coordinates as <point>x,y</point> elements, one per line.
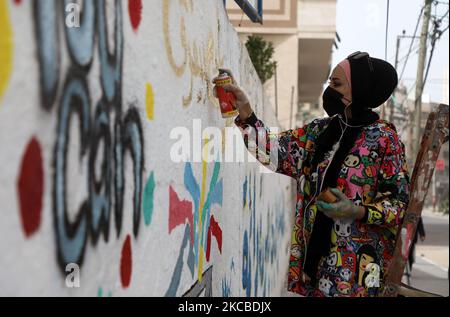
<point>149,101</point>
<point>178,69</point>
<point>202,202</point>
<point>200,265</point>
<point>202,195</point>
<point>6,47</point>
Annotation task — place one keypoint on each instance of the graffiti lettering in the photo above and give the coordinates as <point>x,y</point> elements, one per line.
<point>98,138</point>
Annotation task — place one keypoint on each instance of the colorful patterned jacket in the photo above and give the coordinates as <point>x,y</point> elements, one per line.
<point>373,175</point>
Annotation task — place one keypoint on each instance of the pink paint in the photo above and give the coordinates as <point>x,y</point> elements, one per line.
<point>30,188</point>
<point>179,212</point>
<point>215,230</point>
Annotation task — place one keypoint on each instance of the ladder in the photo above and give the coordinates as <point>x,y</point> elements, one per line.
<point>436,133</point>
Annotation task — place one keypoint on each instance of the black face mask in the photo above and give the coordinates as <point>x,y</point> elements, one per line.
<point>332,102</point>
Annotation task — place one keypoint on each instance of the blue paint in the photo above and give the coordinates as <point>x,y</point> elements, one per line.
<point>246,267</point>
<point>176,277</point>
<point>194,190</point>
<point>81,39</point>
<point>71,245</point>
<point>213,195</point>
<point>226,291</point>
<point>110,64</point>
<point>46,17</point>
<point>148,200</point>
<point>100,190</point>
<point>244,191</point>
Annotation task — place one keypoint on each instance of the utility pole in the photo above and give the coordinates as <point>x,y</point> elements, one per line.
<point>419,78</point>
<point>292,108</point>
<point>276,91</point>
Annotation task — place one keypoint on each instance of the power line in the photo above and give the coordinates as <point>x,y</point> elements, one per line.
<point>434,38</point>
<point>412,41</point>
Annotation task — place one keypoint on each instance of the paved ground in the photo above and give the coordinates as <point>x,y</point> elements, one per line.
<point>430,272</point>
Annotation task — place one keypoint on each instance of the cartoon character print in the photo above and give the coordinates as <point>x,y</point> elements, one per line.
<point>375,216</point>
<point>361,251</point>
<point>294,275</point>
<point>349,261</point>
<point>368,194</point>
<point>341,184</point>
<point>367,261</point>
<point>371,138</point>
<point>343,172</point>
<point>333,262</point>
<point>353,160</point>
<point>373,278</point>
<point>325,286</point>
<point>344,288</point>
<point>296,153</point>
<point>342,228</point>
<point>345,274</point>
<point>358,200</point>
<point>296,251</point>
<point>388,168</point>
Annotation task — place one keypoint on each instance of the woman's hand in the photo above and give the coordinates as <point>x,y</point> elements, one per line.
<point>344,208</point>
<point>242,103</point>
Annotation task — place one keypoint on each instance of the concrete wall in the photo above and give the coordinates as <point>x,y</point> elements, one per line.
<point>89,117</point>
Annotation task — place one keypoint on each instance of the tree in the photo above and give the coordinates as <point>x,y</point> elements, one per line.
<point>261,53</point>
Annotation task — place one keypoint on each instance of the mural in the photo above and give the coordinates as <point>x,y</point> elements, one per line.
<point>119,133</point>
<point>85,120</point>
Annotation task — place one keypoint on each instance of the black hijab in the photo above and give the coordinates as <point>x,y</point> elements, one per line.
<point>373,81</point>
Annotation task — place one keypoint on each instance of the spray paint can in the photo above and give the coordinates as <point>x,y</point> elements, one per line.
<point>227,100</point>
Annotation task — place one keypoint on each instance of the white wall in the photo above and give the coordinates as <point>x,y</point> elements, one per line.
<point>86,173</point>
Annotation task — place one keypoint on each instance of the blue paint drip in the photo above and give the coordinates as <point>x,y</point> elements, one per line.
<point>194,190</point>
<point>110,65</point>
<point>244,195</point>
<point>176,277</point>
<point>246,267</point>
<point>46,19</point>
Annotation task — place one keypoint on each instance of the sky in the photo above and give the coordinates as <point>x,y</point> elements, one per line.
<point>361,25</point>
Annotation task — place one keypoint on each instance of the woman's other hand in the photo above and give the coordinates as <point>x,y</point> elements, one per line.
<point>344,208</point>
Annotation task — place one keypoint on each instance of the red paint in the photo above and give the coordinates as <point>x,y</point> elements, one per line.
<point>179,211</point>
<point>30,188</point>
<point>135,11</point>
<point>215,230</point>
<point>126,263</point>
<point>17,2</point>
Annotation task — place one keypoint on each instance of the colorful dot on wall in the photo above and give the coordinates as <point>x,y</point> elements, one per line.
<point>148,199</point>
<point>126,263</point>
<point>30,188</point>
<point>135,11</point>
<point>6,46</point>
<point>149,101</point>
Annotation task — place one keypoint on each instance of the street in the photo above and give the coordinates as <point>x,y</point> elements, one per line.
<point>430,272</point>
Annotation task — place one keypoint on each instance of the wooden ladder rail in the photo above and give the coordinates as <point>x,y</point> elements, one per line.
<point>436,133</point>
